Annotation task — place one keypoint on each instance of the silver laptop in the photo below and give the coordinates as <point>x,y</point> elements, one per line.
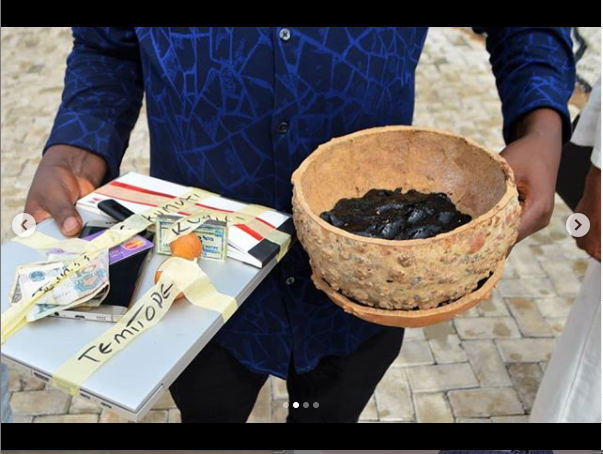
<point>135,378</point>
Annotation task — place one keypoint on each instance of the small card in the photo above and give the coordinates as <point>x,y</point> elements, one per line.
<point>212,233</point>
<point>120,252</point>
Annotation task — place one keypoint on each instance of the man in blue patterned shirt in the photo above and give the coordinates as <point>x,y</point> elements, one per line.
<point>235,111</point>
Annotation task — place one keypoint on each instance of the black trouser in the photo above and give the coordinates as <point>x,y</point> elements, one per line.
<point>215,387</point>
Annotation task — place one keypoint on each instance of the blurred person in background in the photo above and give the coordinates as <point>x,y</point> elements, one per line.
<point>571,388</point>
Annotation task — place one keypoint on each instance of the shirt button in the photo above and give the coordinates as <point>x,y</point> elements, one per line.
<point>283,126</point>
<point>290,280</point>
<point>284,34</point>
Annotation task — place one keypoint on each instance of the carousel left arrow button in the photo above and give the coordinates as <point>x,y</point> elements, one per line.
<point>24,225</point>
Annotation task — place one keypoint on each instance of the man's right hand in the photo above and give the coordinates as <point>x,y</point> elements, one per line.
<point>64,175</point>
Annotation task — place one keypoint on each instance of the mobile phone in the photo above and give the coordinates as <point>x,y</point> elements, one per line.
<point>124,277</point>
<point>91,227</point>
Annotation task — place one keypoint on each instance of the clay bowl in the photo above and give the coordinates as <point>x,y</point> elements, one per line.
<point>407,275</point>
<point>415,318</point>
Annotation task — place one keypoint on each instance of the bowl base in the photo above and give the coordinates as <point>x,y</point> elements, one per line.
<point>412,318</point>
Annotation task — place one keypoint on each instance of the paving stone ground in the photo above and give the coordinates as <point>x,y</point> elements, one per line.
<point>485,366</point>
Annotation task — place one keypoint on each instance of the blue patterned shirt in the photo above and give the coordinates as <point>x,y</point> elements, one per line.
<point>236,110</point>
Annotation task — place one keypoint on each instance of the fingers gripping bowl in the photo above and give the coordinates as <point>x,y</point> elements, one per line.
<point>421,280</point>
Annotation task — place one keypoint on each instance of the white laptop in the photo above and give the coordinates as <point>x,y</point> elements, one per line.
<point>132,381</point>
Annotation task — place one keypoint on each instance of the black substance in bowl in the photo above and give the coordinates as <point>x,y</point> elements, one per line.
<point>394,215</point>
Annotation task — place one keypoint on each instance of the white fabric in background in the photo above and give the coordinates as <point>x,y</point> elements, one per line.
<point>571,388</point>
<point>588,131</point>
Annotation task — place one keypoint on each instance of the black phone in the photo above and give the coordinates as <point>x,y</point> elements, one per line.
<point>124,277</point>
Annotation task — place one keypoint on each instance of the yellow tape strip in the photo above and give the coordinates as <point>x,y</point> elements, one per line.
<point>276,236</point>
<point>247,216</point>
<point>12,319</point>
<point>202,194</point>
<point>147,311</point>
<point>118,233</point>
<point>150,199</point>
<point>253,210</point>
<point>202,293</point>
<point>20,322</point>
<point>185,203</point>
<point>177,275</point>
<point>42,242</point>
<point>198,288</point>
<point>190,223</point>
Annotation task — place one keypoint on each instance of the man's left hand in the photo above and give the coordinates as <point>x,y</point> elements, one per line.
<point>534,158</point>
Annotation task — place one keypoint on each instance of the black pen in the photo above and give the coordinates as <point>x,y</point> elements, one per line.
<point>120,213</point>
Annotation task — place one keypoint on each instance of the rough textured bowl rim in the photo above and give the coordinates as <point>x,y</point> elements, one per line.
<point>510,191</point>
<point>412,318</point>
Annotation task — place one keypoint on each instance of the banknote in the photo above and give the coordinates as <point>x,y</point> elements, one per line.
<point>40,311</point>
<point>15,295</point>
<point>34,276</point>
<point>84,282</point>
<point>212,233</point>
<point>85,288</point>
